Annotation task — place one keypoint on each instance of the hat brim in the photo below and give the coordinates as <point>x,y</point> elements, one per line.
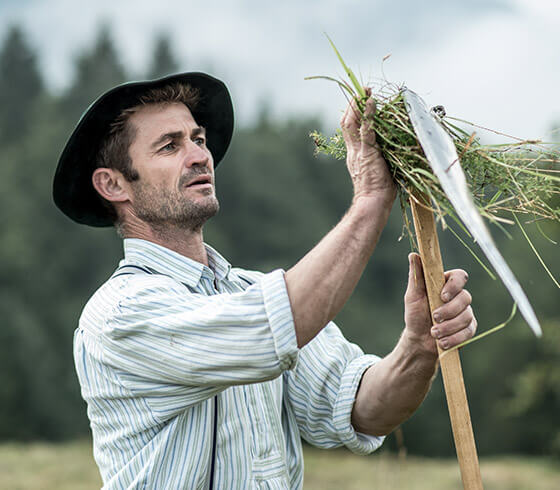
<point>73,191</point>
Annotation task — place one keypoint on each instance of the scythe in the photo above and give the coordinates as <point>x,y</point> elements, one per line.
<point>442,156</point>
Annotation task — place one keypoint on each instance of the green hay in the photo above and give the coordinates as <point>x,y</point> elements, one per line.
<point>520,178</point>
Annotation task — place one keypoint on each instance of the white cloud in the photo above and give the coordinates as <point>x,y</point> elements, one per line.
<point>499,72</point>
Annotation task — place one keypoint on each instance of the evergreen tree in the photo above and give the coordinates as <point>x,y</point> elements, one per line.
<point>536,397</point>
<point>97,70</point>
<point>163,58</point>
<point>43,256</point>
<point>21,84</point>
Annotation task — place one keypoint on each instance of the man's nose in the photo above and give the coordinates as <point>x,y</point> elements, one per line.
<point>197,156</point>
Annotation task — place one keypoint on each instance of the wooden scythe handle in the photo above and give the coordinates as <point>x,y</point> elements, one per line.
<point>428,244</point>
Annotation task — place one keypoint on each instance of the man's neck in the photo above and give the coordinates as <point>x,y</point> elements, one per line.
<point>189,243</point>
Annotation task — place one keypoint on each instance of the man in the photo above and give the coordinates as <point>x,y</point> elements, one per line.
<point>200,375</point>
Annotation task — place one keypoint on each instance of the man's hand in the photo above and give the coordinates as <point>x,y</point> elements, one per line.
<point>392,389</point>
<point>366,165</point>
<point>455,321</point>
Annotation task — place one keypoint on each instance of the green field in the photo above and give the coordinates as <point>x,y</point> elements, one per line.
<point>70,466</point>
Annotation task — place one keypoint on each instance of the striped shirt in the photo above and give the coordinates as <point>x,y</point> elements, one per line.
<point>154,349</point>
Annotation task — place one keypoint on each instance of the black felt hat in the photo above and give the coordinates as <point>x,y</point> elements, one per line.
<point>73,191</point>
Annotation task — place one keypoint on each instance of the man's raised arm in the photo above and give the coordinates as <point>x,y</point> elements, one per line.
<point>321,282</point>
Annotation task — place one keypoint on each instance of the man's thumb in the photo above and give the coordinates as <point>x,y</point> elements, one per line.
<point>415,276</point>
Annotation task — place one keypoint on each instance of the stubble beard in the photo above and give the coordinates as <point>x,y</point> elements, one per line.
<point>161,208</point>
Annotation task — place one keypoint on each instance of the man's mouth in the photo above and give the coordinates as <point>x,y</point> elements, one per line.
<point>200,181</point>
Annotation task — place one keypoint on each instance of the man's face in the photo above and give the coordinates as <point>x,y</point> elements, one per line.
<point>176,169</point>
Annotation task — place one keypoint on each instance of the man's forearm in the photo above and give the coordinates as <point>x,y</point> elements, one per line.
<point>392,389</point>
<point>321,282</point>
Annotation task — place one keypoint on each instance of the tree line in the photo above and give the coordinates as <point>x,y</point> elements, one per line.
<point>277,200</point>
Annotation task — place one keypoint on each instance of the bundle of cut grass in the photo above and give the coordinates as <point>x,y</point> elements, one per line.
<point>520,178</point>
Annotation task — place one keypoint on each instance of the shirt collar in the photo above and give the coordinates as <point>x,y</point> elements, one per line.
<point>170,263</point>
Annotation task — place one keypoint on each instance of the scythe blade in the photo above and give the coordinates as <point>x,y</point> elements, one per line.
<point>442,156</point>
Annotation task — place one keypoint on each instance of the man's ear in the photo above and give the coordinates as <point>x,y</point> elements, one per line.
<point>110,184</point>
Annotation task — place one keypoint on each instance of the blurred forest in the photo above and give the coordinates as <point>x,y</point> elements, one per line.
<point>278,199</point>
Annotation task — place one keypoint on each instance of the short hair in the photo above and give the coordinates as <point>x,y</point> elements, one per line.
<point>114,149</point>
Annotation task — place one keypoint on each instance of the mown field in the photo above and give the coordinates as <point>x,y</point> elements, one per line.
<point>70,467</point>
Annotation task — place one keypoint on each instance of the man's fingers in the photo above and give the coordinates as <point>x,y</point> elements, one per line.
<point>350,123</point>
<point>367,131</point>
<point>454,307</point>
<point>357,126</point>
<point>455,281</point>
<point>459,337</point>
<point>452,332</point>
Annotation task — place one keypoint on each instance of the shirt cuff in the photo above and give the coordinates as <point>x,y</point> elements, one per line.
<point>281,320</point>
<point>355,441</point>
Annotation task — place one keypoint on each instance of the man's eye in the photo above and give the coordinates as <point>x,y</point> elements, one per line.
<point>168,147</point>
<point>200,141</point>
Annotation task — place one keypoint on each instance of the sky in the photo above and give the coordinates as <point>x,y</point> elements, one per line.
<point>493,62</point>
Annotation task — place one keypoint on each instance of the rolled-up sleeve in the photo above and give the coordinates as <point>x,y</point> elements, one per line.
<point>163,339</point>
<point>350,382</point>
<point>322,390</point>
